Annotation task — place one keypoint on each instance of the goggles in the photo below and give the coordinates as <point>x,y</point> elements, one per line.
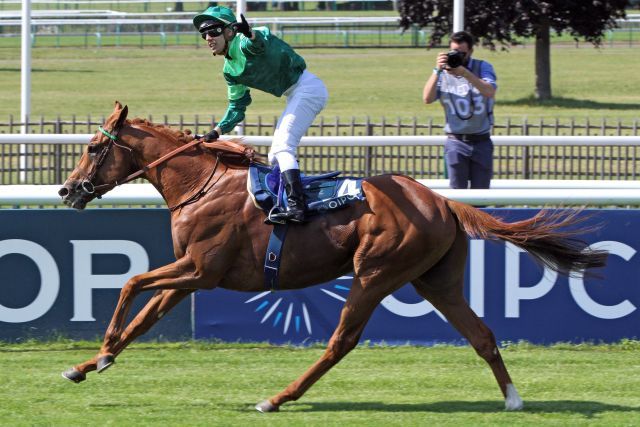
<point>211,31</point>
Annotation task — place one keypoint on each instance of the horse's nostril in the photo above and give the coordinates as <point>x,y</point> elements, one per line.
<point>64,191</point>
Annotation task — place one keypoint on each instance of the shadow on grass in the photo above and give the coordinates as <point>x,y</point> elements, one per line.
<point>569,103</point>
<point>584,407</point>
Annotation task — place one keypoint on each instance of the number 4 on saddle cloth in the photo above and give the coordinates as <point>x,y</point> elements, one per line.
<point>323,194</point>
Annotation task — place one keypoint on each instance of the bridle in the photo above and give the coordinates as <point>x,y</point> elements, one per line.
<point>87,183</point>
<point>88,186</point>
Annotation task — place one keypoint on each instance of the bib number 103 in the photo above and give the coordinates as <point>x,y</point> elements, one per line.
<point>463,106</point>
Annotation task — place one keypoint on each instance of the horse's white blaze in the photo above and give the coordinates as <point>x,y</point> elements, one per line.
<point>513,402</point>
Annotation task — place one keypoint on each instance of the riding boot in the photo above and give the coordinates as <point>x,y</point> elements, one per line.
<point>296,205</point>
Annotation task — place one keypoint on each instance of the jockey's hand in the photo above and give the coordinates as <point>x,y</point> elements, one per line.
<point>212,135</point>
<point>243,27</point>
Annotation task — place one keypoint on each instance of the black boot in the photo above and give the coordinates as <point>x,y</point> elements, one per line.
<point>297,208</point>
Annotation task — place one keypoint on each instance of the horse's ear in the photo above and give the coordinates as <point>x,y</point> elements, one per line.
<point>117,106</point>
<point>122,116</point>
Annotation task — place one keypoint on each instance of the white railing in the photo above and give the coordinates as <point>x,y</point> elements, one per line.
<point>503,192</point>
<point>93,2</point>
<point>119,19</point>
<point>146,194</point>
<point>361,141</point>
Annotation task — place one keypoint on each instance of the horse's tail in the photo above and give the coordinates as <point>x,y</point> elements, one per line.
<point>545,236</point>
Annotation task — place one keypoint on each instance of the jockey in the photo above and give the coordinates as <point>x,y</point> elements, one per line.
<point>255,58</point>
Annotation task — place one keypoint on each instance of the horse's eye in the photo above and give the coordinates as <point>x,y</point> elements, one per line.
<point>92,149</point>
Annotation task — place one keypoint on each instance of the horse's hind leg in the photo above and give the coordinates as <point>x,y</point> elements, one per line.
<point>158,306</point>
<point>356,312</point>
<point>458,312</point>
<point>442,285</point>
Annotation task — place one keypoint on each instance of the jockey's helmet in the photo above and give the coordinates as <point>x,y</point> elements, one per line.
<point>219,14</point>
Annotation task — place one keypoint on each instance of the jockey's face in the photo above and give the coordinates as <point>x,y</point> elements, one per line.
<point>217,44</point>
<point>215,37</point>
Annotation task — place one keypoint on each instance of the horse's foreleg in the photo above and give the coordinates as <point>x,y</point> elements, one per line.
<point>180,275</point>
<point>177,275</point>
<point>156,308</point>
<point>355,314</point>
<point>148,316</point>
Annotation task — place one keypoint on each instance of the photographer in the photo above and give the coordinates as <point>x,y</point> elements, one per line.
<point>466,88</point>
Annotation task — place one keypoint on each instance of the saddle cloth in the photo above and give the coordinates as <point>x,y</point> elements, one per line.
<point>323,193</point>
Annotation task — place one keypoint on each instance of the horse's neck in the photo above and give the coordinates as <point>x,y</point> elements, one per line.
<point>179,176</point>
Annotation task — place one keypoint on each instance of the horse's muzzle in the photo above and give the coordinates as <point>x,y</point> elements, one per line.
<point>76,194</point>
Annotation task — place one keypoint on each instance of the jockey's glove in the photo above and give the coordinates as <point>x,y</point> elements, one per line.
<point>212,135</point>
<point>243,27</point>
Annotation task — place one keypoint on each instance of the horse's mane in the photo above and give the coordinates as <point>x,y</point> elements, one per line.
<point>232,152</point>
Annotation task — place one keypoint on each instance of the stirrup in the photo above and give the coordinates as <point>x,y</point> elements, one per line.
<point>290,218</point>
<point>271,221</point>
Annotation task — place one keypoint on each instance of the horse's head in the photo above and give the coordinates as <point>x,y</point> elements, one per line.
<point>104,161</point>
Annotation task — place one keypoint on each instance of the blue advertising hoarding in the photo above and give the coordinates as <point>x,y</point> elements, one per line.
<point>61,270</point>
<point>515,297</point>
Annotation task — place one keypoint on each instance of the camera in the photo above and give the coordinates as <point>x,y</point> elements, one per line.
<point>455,58</point>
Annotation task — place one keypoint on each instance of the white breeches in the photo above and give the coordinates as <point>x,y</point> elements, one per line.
<point>305,100</point>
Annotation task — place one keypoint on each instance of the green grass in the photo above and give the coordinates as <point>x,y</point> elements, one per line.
<point>587,82</point>
<point>217,384</point>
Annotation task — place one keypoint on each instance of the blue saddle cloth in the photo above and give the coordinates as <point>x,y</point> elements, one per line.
<point>323,193</point>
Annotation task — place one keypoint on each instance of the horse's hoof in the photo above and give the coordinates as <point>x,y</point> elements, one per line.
<point>267,406</point>
<point>74,375</point>
<point>513,402</point>
<point>105,361</point>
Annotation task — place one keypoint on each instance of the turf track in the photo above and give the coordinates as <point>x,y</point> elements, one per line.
<point>218,384</point>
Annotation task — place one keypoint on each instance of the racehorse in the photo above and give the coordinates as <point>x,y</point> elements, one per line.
<point>402,232</point>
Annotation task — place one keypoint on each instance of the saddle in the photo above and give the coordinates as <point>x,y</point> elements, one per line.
<point>323,193</point>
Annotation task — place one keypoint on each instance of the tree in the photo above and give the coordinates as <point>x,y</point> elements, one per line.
<point>504,21</point>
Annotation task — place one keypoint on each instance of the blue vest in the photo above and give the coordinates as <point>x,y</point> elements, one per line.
<point>466,110</point>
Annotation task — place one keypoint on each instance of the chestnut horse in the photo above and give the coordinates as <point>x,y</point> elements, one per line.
<point>402,232</point>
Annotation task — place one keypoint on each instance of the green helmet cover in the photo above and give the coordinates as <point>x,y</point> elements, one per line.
<point>217,13</point>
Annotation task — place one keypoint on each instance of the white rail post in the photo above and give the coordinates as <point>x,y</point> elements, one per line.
<point>241,8</point>
<point>25,82</point>
<point>458,15</point>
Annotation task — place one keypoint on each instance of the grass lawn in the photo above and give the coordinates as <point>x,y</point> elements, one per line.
<point>587,83</point>
<point>218,384</point>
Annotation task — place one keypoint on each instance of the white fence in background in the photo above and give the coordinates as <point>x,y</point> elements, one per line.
<point>110,2</point>
<point>122,19</point>
<point>362,141</point>
<point>110,17</point>
<point>146,194</point>
<point>502,193</point>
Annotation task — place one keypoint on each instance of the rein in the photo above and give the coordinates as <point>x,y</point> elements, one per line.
<point>203,190</point>
<point>87,184</point>
<point>144,169</point>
